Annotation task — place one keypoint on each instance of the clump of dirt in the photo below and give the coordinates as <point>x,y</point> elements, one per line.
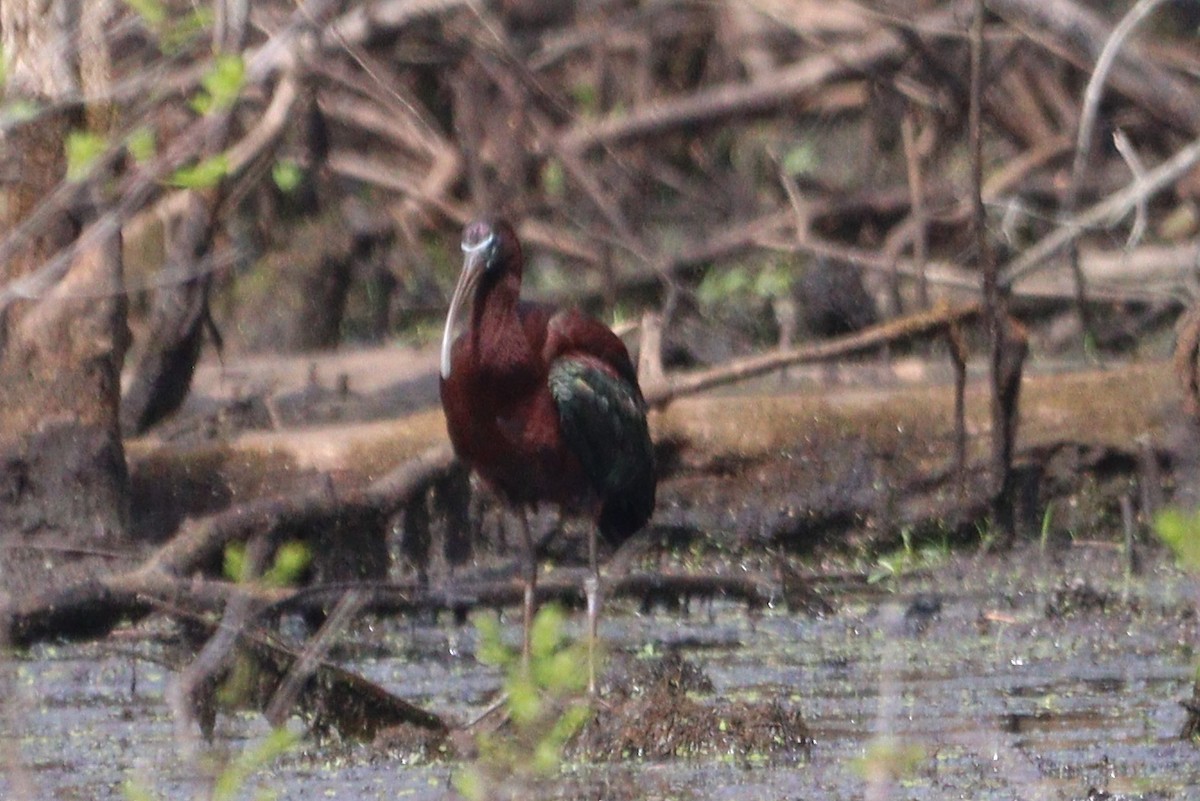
<point>1078,596</point>
<point>653,715</point>
<point>1191,724</point>
<point>410,743</point>
<point>672,672</point>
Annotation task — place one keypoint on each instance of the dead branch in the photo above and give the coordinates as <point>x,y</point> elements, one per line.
<point>1077,34</point>
<point>372,171</point>
<point>914,326</point>
<point>1106,212</point>
<point>1187,359</point>
<point>190,694</point>
<point>145,186</point>
<point>255,145</point>
<point>334,697</point>
<point>915,154</point>
<point>338,700</point>
<point>288,681</point>
<point>93,608</point>
<point>1083,142</point>
<point>362,23</point>
<point>564,586</point>
<point>1095,90</point>
<point>284,698</point>
<point>199,542</point>
<point>959,353</point>
<point>708,106</point>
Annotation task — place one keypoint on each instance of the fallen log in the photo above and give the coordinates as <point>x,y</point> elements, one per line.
<point>94,607</point>
<point>565,586</point>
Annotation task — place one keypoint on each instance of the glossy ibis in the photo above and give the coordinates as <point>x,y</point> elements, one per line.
<point>544,405</point>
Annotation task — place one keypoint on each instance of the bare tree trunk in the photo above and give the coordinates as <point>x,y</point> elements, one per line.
<point>1008,344</point>
<point>162,373</point>
<point>63,480</point>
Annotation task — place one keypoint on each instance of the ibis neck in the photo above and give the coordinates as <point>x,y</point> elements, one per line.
<point>498,338</point>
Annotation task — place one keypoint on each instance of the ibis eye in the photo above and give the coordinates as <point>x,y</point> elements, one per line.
<point>472,244</point>
<point>484,255</point>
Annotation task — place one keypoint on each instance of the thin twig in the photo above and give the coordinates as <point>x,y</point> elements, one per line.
<point>914,157</point>
<point>1083,142</point>
<point>1107,212</point>
<point>1095,91</point>
<point>314,654</point>
<point>1138,168</point>
<point>1073,31</point>
<point>711,105</point>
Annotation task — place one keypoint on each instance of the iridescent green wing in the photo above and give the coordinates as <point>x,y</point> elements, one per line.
<point>603,420</point>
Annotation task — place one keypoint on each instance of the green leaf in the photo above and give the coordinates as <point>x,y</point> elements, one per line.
<point>132,790</point>
<point>18,111</point>
<point>222,84</point>
<point>883,570</point>
<point>524,701</point>
<point>202,103</point>
<point>142,145</point>
<point>800,160</point>
<point>553,179</point>
<point>291,559</point>
<point>546,635</point>
<point>545,758</point>
<point>569,722</point>
<point>491,649</point>
<point>234,776</point>
<point>83,149</point>
<point>470,784</point>
<point>585,96</point>
<point>563,672</point>
<point>287,175</point>
<point>182,33</point>
<point>773,282</point>
<point>719,285</point>
<point>234,566</point>
<point>152,12</point>
<point>889,757</point>
<point>202,175</point>
<point>1181,533</point>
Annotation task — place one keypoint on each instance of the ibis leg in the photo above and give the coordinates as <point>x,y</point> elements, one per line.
<point>594,599</point>
<point>530,585</point>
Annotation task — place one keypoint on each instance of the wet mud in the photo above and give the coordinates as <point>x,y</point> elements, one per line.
<point>903,654</point>
<point>1041,673</point>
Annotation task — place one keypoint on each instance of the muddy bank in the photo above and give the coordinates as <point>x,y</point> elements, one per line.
<point>1033,674</point>
<point>775,461</point>
<point>878,644</point>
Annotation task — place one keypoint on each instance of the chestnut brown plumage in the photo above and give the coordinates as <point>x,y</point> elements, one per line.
<point>542,403</point>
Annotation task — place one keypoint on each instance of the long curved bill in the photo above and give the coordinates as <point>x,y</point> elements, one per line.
<point>464,293</point>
